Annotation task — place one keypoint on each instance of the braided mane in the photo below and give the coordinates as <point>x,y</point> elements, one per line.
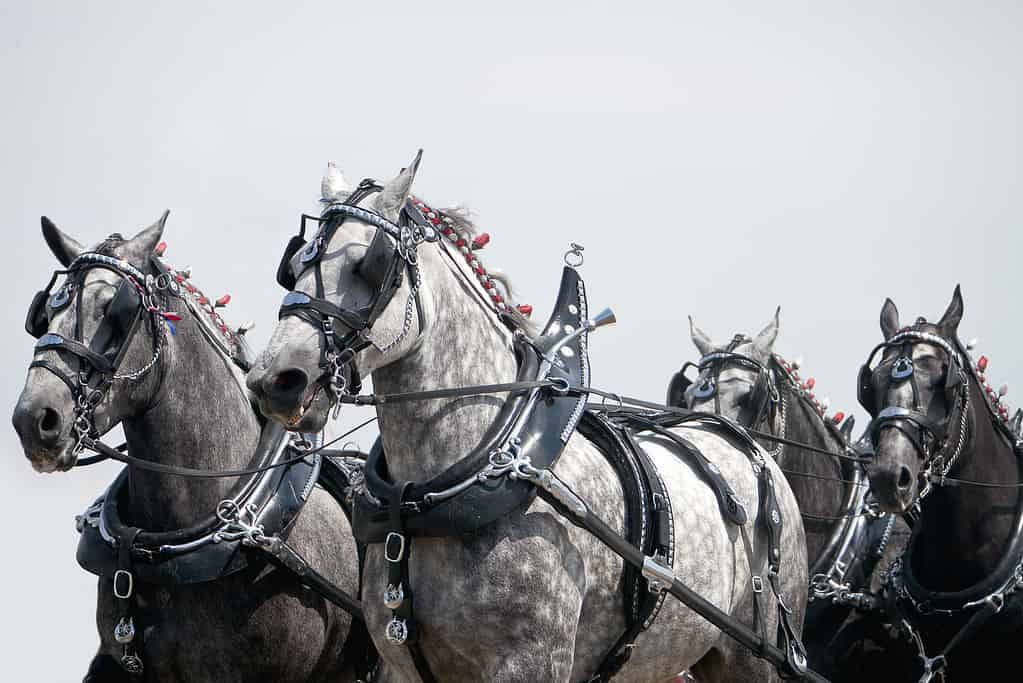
<point>805,389</point>
<point>455,224</point>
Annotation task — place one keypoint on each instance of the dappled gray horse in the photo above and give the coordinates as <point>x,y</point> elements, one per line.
<point>529,596</point>
<point>848,544</point>
<point>106,356</point>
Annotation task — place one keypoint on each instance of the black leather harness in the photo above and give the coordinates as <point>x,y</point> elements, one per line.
<point>515,462</point>
<point>939,446</point>
<point>391,252</point>
<point>250,526</point>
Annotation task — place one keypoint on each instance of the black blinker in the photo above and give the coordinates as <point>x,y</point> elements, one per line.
<point>865,389</point>
<point>285,275</point>
<point>677,389</point>
<point>113,331</point>
<point>377,265</point>
<point>37,322</point>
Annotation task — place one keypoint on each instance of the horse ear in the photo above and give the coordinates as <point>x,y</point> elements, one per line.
<point>949,322</point>
<point>392,198</point>
<point>334,187</point>
<point>764,343</point>
<point>64,247</point>
<point>889,319</point>
<point>702,342</point>
<point>846,429</point>
<point>147,240</point>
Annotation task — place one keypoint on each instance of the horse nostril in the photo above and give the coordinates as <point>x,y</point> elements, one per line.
<point>289,382</point>
<point>905,478</point>
<point>49,424</point>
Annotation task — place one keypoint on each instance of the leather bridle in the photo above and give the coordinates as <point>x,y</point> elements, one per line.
<point>99,360</point>
<point>935,444</point>
<point>762,397</point>
<point>392,251</point>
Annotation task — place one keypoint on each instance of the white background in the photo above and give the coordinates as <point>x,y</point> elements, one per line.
<point>715,159</point>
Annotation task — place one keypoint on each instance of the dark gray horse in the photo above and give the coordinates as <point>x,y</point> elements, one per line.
<point>848,550</point>
<point>530,597</point>
<point>185,406</point>
<point>948,456</point>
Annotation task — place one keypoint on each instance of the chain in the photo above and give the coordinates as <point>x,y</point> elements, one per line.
<point>930,478</point>
<point>409,306</point>
<point>782,429</point>
<point>132,376</point>
<point>886,537</point>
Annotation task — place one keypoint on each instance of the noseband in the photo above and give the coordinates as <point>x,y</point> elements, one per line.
<point>98,360</point>
<point>934,445</point>
<point>391,252</point>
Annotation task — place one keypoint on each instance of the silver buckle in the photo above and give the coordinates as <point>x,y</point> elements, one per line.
<point>131,584</point>
<point>758,583</point>
<point>401,547</point>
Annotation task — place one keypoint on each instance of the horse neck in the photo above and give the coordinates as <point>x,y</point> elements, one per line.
<point>201,419</point>
<point>979,519</point>
<point>822,492</point>
<point>461,346</point>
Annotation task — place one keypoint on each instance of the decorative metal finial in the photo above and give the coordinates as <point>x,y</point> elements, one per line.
<point>574,256</point>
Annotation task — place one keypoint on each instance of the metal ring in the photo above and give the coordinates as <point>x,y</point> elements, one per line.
<point>401,547</point>
<point>227,511</point>
<point>574,256</point>
<point>124,595</point>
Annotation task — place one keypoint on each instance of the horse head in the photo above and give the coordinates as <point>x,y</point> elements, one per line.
<point>913,393</point>
<point>90,367</point>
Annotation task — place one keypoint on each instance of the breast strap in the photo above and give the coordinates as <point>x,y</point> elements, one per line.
<point>193,555</point>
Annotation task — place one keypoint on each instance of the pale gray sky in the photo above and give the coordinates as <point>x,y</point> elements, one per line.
<point>715,159</point>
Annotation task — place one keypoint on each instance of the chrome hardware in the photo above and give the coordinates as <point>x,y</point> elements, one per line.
<point>124,631</point>
<point>659,576</point>
<point>394,596</point>
<point>396,631</point>
<point>401,547</point>
<point>125,594</point>
<point>574,256</point>
<point>547,480</point>
<point>705,389</point>
<point>902,368</point>
<point>131,663</point>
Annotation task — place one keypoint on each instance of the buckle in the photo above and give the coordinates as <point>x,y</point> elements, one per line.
<point>125,594</point>
<point>758,583</point>
<point>394,557</point>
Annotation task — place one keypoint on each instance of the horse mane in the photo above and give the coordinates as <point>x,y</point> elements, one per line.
<point>804,388</point>
<point>199,302</point>
<point>457,224</point>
